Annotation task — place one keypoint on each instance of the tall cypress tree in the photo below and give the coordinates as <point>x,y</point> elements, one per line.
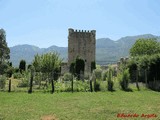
<point>4,49</point>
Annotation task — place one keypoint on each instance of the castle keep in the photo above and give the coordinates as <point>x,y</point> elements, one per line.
<point>82,44</point>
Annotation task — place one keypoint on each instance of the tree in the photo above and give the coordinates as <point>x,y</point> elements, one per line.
<point>4,49</point>
<point>4,53</point>
<point>22,65</point>
<point>145,62</point>
<point>49,64</point>
<point>37,63</point>
<point>31,79</point>
<point>110,78</point>
<point>3,68</point>
<point>145,47</point>
<point>124,79</point>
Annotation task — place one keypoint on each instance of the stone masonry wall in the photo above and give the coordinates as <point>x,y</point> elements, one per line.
<point>82,43</point>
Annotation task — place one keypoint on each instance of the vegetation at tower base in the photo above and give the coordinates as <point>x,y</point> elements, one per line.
<point>77,67</point>
<point>72,68</point>
<point>93,66</point>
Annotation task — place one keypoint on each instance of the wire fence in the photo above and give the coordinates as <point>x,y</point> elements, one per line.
<point>42,82</point>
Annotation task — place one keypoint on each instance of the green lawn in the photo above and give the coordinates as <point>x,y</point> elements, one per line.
<point>79,105</point>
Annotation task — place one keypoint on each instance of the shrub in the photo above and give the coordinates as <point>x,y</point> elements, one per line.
<point>81,86</point>
<point>17,75</point>
<point>97,86</point>
<point>24,83</point>
<point>98,73</point>
<point>104,75</point>
<point>78,86</point>
<point>16,70</point>
<point>110,81</point>
<point>124,78</point>
<point>110,85</point>
<point>67,77</point>
<point>2,81</point>
<point>25,77</point>
<point>103,86</point>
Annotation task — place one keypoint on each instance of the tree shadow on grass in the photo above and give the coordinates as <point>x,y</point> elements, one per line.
<point>128,90</point>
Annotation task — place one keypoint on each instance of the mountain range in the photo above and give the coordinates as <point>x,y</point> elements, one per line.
<point>107,50</point>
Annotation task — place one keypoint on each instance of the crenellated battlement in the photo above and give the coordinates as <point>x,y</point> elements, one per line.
<point>81,31</point>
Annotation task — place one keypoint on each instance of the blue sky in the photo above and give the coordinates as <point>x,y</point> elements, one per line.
<point>45,22</point>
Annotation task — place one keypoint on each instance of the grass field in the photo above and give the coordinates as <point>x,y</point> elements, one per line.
<point>79,105</point>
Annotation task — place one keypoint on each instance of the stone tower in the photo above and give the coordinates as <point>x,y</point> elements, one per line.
<point>82,43</point>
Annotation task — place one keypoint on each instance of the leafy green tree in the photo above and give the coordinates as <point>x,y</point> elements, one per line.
<point>4,53</point>
<point>37,63</point>
<point>4,49</point>
<point>49,64</point>
<point>10,70</point>
<point>145,47</point>
<point>22,65</point>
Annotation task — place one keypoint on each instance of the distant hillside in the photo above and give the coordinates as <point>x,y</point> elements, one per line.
<point>107,50</point>
<point>27,52</point>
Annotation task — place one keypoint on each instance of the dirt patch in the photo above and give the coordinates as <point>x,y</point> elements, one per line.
<point>49,117</point>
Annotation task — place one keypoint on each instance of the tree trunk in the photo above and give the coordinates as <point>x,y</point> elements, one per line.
<point>9,90</point>
<point>94,79</point>
<point>52,82</point>
<point>146,78</point>
<point>137,81</point>
<point>72,83</point>
<point>91,85</point>
<point>31,83</point>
